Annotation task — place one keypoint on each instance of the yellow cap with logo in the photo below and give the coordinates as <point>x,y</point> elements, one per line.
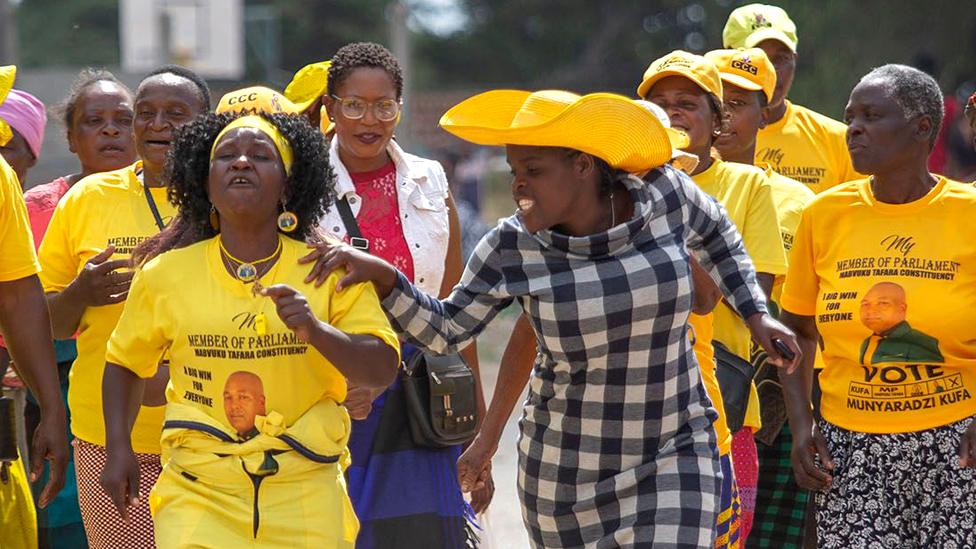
<point>751,24</point>
<point>255,99</point>
<point>696,68</point>
<point>748,69</point>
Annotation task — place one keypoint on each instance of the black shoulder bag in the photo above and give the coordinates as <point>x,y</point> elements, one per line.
<point>735,382</point>
<point>439,390</point>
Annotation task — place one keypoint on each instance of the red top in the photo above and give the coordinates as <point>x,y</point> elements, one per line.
<point>379,217</point>
<point>41,201</point>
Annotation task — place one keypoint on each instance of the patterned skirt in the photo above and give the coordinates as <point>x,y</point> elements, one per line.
<point>103,525</point>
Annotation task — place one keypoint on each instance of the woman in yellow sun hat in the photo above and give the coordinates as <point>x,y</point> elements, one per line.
<point>617,447</point>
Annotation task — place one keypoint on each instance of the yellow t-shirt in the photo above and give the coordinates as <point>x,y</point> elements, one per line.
<point>219,362</point>
<point>101,209</point>
<point>808,147</point>
<point>16,241</point>
<point>790,198</point>
<point>700,334</point>
<point>892,288</point>
<point>745,193</point>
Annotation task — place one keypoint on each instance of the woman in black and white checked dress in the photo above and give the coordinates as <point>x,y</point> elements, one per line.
<point>617,448</point>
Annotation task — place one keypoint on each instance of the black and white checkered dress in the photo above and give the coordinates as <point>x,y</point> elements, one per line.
<point>617,448</point>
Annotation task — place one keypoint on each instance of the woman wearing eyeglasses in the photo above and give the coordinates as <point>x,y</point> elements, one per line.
<point>405,496</point>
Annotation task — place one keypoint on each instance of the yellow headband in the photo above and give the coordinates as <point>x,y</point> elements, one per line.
<point>265,127</point>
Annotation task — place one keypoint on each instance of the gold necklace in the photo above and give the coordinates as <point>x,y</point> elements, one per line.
<point>246,271</point>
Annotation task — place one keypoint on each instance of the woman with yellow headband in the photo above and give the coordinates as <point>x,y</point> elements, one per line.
<point>255,434</point>
<point>617,447</point>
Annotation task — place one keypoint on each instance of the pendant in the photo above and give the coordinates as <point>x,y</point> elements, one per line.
<point>257,288</point>
<point>246,272</point>
<point>287,221</point>
<point>261,324</point>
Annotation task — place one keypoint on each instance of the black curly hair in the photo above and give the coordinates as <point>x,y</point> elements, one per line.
<point>363,54</point>
<point>309,190</point>
<point>88,77</point>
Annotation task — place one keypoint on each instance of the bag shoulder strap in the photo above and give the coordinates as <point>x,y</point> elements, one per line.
<point>352,226</point>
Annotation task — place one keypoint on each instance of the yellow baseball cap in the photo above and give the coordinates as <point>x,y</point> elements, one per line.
<point>696,68</point>
<point>747,69</point>
<point>254,100</point>
<point>751,24</point>
<point>308,85</point>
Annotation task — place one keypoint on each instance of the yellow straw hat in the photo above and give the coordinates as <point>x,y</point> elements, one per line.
<point>608,126</point>
<point>7,75</point>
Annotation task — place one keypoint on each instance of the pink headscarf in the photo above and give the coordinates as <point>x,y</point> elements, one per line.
<point>26,114</point>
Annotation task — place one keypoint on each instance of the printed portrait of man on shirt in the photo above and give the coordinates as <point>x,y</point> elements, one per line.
<point>883,311</point>
<point>243,401</point>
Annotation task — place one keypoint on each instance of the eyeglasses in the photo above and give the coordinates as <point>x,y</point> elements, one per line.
<point>385,110</point>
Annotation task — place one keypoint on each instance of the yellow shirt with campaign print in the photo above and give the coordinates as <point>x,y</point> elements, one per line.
<point>808,147</point>
<point>19,259</point>
<point>221,361</point>
<point>101,209</point>
<point>892,288</point>
<point>700,333</point>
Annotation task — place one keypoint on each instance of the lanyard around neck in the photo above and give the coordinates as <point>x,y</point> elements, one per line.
<point>151,201</point>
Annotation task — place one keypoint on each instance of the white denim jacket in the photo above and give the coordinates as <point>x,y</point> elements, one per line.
<point>422,199</point>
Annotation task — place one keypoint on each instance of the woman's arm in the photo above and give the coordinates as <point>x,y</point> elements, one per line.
<point>453,267</point>
<point>474,465</point>
<point>808,442</point>
<point>442,326</point>
<point>122,395</point>
<point>363,359</point>
<point>707,293</point>
<point>100,282</point>
<point>723,256</point>
<point>27,330</point>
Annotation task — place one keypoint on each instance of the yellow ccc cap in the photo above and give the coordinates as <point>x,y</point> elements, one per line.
<point>696,68</point>
<point>751,24</point>
<point>255,99</point>
<point>747,69</point>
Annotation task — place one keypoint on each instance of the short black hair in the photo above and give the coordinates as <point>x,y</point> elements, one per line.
<point>189,74</point>
<point>363,54</point>
<point>309,189</point>
<point>89,76</point>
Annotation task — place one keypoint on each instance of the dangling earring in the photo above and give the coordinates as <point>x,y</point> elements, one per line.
<point>214,219</point>
<point>287,221</point>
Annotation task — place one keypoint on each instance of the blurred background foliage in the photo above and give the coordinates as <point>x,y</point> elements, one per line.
<point>580,45</point>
